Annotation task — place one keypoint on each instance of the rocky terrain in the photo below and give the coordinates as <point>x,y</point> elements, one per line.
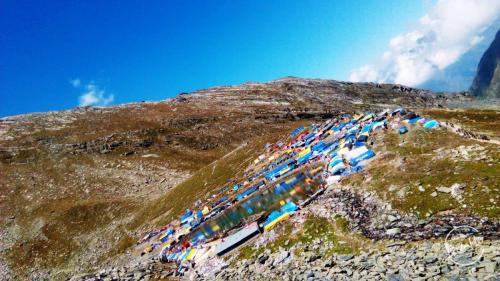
<point>80,187</point>
<point>399,261</point>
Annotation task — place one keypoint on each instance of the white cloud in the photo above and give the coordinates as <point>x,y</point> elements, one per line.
<point>75,82</point>
<point>93,95</point>
<point>441,37</point>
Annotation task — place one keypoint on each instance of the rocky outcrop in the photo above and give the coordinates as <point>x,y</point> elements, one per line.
<point>427,261</point>
<point>486,84</point>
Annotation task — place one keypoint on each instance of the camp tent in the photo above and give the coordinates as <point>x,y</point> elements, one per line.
<point>339,168</point>
<point>274,218</point>
<point>398,111</point>
<point>362,138</point>
<point>355,152</point>
<point>410,115</point>
<point>289,207</point>
<point>414,120</point>
<point>297,131</point>
<point>431,124</point>
<point>368,116</point>
<point>364,156</point>
<point>377,125</point>
<point>403,130</point>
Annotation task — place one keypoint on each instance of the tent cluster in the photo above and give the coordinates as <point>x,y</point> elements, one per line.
<point>328,151</point>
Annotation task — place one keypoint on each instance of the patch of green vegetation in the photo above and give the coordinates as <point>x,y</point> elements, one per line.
<point>321,228</point>
<point>411,167</point>
<point>314,228</point>
<point>248,252</point>
<point>477,120</point>
<point>342,223</point>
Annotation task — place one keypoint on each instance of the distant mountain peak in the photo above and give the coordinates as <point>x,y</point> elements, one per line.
<point>487,81</point>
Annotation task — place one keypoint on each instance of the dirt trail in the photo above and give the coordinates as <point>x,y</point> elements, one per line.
<point>467,134</point>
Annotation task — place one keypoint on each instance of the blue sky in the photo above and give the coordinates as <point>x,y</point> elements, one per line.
<point>53,52</point>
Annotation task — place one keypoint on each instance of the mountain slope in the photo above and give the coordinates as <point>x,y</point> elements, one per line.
<point>487,81</point>
<point>79,187</point>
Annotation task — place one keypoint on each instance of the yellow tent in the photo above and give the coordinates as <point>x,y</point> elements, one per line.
<point>368,117</point>
<point>215,227</point>
<point>318,169</point>
<point>165,246</point>
<point>279,219</point>
<point>357,117</point>
<point>304,152</point>
<point>191,254</point>
<point>285,170</point>
<point>205,210</point>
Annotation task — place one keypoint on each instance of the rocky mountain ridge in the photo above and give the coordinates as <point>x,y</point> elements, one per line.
<point>486,84</point>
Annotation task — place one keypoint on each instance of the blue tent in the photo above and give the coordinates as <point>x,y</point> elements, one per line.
<point>309,141</point>
<point>403,130</point>
<point>304,158</point>
<point>273,173</point>
<point>414,120</point>
<point>199,214</point>
<point>356,169</point>
<point>223,199</point>
<point>297,131</point>
<point>280,188</point>
<point>249,191</point>
<point>335,162</point>
<point>338,169</point>
<point>366,128</point>
<point>186,216</point>
<point>166,235</point>
<point>319,146</point>
<point>431,124</point>
<point>272,216</point>
<point>289,207</point>
<point>364,156</point>
<point>311,135</point>
<point>340,127</point>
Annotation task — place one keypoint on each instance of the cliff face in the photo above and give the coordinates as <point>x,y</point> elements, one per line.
<point>487,81</point>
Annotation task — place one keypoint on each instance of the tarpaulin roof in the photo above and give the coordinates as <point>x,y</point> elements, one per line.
<point>431,124</point>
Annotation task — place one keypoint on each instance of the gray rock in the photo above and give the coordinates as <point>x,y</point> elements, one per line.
<point>394,277</point>
<point>345,257</point>
<point>329,263</point>
<point>430,259</point>
<point>443,189</point>
<point>393,231</point>
<point>490,267</point>
<point>262,259</point>
<point>392,218</point>
<point>313,258</point>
